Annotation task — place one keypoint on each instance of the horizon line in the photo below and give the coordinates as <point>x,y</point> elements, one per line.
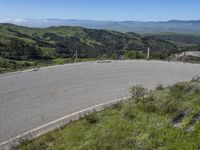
<point>26,19</point>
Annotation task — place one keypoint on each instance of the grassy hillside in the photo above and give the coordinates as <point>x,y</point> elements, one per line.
<point>19,43</point>
<point>89,42</point>
<point>166,118</point>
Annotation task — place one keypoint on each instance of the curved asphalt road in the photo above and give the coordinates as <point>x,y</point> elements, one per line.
<point>30,99</point>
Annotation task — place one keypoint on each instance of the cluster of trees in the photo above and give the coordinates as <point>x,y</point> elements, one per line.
<point>182,38</point>
<point>20,50</point>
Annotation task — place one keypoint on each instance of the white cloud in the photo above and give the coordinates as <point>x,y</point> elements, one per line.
<point>5,20</point>
<point>20,20</point>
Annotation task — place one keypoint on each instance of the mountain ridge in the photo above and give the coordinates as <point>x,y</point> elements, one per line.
<point>179,26</point>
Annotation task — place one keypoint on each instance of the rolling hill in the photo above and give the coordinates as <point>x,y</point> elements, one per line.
<point>22,47</point>
<point>25,43</point>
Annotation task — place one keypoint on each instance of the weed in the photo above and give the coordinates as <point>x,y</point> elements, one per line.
<point>129,112</point>
<point>138,92</point>
<point>117,106</point>
<point>178,90</point>
<point>160,87</point>
<point>92,118</point>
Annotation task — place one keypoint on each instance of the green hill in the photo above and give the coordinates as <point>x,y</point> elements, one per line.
<point>55,41</point>
<point>19,43</point>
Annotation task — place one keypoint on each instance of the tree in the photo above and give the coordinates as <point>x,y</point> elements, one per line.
<point>3,51</point>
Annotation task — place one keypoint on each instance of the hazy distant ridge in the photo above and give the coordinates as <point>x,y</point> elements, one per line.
<point>190,26</point>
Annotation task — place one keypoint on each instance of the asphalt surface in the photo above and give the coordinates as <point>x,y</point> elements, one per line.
<point>32,98</point>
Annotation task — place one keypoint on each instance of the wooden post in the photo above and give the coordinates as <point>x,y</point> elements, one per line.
<point>148,53</point>
<point>76,56</point>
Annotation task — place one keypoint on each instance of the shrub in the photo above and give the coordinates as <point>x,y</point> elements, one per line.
<point>178,89</point>
<point>169,105</point>
<point>150,97</point>
<point>133,55</point>
<point>159,87</point>
<point>192,88</point>
<point>92,118</point>
<point>138,92</point>
<point>35,64</point>
<point>129,112</point>
<point>26,64</point>
<point>195,78</point>
<point>117,106</point>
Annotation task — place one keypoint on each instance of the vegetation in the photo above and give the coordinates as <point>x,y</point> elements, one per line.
<point>179,39</point>
<point>33,45</point>
<point>8,65</point>
<point>134,55</point>
<point>138,93</point>
<point>183,42</point>
<point>167,118</point>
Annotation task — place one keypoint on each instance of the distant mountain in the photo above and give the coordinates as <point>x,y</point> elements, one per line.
<point>178,26</point>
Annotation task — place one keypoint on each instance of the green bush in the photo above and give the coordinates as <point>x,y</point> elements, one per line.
<point>26,64</point>
<point>133,55</point>
<point>138,92</point>
<point>117,106</point>
<point>159,87</point>
<point>92,118</point>
<point>168,105</point>
<point>178,90</point>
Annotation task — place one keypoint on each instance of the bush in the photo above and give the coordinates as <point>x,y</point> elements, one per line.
<point>195,78</point>
<point>117,106</point>
<point>138,92</point>
<point>26,64</point>
<point>133,55</point>
<point>160,87</point>
<point>168,105</point>
<point>178,89</point>
<point>92,118</point>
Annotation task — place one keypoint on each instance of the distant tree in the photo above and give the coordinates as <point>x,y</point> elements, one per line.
<point>21,50</point>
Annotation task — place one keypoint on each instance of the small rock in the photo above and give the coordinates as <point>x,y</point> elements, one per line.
<point>178,119</point>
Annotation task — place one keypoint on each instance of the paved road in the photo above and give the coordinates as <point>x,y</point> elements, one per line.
<point>30,99</point>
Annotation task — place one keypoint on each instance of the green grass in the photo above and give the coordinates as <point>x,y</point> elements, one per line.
<point>145,124</point>
<point>13,65</point>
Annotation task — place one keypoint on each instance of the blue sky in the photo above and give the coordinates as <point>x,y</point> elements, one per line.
<point>119,10</point>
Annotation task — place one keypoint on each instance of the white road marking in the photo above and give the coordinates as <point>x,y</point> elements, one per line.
<point>49,125</point>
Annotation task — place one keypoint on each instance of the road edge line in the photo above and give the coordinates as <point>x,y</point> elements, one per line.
<point>58,123</point>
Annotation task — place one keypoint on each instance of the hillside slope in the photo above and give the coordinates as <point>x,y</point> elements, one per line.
<point>32,43</point>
